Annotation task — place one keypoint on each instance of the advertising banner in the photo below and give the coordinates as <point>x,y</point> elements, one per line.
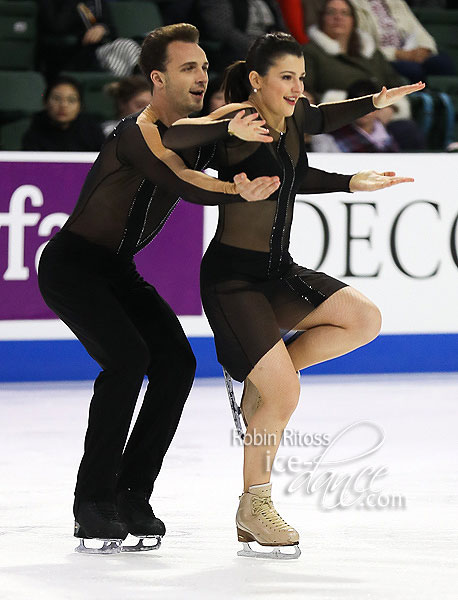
<point>35,201</point>
<point>398,246</point>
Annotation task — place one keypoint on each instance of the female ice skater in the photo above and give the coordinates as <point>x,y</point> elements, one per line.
<point>251,288</point>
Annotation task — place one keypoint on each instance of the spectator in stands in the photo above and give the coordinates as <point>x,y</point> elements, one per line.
<point>214,96</point>
<point>130,95</point>
<point>61,126</point>
<point>402,39</point>
<point>176,11</point>
<point>311,10</point>
<point>339,55</point>
<point>79,36</point>
<point>372,132</point>
<point>235,24</point>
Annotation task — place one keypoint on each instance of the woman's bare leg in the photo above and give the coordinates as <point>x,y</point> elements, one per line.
<point>342,323</point>
<point>275,377</point>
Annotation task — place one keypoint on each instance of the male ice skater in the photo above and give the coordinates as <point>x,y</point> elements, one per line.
<point>88,278</point>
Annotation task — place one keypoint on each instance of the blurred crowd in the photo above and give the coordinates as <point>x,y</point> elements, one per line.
<point>71,67</point>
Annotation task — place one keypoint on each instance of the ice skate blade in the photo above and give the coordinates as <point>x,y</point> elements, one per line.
<point>275,554</point>
<point>109,547</point>
<point>140,546</point>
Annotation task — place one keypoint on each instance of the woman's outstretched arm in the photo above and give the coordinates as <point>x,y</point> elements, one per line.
<point>327,117</point>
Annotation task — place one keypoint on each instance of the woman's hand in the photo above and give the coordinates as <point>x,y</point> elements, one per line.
<point>258,189</point>
<point>388,97</point>
<point>249,128</point>
<point>370,181</point>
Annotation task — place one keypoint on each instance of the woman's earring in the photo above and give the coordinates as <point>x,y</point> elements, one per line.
<point>255,90</point>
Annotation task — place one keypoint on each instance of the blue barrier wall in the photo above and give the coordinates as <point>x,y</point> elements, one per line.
<point>54,360</point>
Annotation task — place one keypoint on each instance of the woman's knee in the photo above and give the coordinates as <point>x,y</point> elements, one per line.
<point>368,320</point>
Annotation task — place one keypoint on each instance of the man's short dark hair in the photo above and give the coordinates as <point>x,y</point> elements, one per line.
<point>154,48</point>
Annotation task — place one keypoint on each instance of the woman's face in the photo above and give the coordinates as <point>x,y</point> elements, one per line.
<point>337,19</point>
<point>135,104</point>
<point>63,104</point>
<point>283,84</point>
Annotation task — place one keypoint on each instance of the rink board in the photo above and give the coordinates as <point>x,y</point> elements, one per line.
<point>397,246</point>
<point>57,360</point>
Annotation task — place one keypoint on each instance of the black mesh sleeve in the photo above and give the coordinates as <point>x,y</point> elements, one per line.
<point>179,137</point>
<point>329,117</point>
<point>320,182</point>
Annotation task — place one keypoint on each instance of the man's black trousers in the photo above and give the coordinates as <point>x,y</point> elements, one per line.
<point>131,332</point>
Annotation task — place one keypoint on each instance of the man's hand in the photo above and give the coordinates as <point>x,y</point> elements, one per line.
<point>94,35</point>
<point>388,97</point>
<point>421,54</point>
<point>249,128</point>
<point>370,181</point>
<point>417,55</point>
<point>258,189</point>
<point>385,115</point>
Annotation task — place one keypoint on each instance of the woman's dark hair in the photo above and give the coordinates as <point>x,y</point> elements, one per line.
<point>261,56</point>
<point>354,44</point>
<point>153,55</point>
<point>125,89</point>
<point>63,80</point>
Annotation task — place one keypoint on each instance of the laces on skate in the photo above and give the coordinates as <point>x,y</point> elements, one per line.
<point>265,507</point>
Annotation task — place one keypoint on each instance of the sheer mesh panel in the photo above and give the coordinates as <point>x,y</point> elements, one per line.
<point>130,192</point>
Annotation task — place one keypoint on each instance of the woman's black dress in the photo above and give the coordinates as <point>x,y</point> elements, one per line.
<point>252,291</point>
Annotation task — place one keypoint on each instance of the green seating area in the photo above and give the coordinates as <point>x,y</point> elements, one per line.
<point>22,80</point>
<point>135,19</point>
<point>443,26</point>
<point>18,34</point>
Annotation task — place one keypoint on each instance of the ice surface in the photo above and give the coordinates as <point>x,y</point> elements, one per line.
<point>347,553</point>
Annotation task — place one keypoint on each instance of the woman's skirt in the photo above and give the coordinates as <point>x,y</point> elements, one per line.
<point>250,311</point>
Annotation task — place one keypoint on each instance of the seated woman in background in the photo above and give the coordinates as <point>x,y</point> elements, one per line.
<point>339,55</point>
<point>402,39</point>
<point>373,132</point>
<point>130,95</point>
<point>61,126</point>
